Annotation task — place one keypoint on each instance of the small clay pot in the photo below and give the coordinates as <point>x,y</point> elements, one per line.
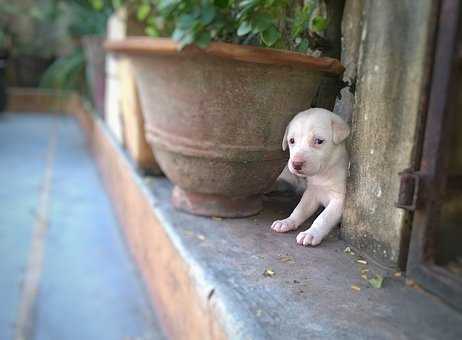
<point>215,117</point>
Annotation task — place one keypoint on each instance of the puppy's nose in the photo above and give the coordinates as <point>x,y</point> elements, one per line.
<point>297,165</point>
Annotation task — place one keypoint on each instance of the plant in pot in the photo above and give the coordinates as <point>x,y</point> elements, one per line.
<point>217,96</point>
<point>83,67</point>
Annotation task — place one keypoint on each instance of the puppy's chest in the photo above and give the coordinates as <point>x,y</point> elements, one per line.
<point>324,192</point>
<point>320,194</point>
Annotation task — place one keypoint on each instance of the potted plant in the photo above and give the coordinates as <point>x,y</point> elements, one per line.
<point>215,105</point>
<point>83,67</point>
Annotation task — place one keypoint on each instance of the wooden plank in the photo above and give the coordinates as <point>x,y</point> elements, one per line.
<point>35,100</point>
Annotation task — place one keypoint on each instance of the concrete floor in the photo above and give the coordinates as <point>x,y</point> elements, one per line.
<point>65,272</point>
<point>312,293</point>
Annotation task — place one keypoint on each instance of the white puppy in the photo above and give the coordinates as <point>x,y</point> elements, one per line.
<point>317,153</point>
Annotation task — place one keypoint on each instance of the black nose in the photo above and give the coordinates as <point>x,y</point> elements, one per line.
<point>297,165</point>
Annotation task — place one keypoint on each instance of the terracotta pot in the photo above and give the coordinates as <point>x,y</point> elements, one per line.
<point>95,58</point>
<point>133,122</point>
<point>216,117</point>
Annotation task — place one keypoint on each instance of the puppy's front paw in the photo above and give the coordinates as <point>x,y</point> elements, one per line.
<point>309,238</point>
<point>284,226</point>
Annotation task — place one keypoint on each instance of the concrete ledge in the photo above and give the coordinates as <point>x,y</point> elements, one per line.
<point>36,100</point>
<point>206,275</point>
<point>206,280</point>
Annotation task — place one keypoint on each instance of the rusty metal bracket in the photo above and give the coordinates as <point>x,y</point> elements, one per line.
<point>408,189</point>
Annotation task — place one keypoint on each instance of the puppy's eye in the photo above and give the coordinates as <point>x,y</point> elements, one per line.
<point>291,141</point>
<point>318,141</point>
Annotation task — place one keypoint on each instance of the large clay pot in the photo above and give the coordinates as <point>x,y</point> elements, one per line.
<point>95,58</point>
<point>3,85</point>
<point>216,117</point>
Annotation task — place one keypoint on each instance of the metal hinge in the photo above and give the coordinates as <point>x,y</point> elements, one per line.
<point>408,189</point>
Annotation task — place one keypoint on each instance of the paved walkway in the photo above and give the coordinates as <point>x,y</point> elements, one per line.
<point>65,272</point>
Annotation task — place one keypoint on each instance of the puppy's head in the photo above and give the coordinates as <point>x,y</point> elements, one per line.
<point>314,136</point>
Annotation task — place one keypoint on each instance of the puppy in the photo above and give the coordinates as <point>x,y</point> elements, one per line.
<point>317,155</point>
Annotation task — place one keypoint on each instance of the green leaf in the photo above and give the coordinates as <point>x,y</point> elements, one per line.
<point>270,36</point>
<point>319,24</point>
<point>117,3</point>
<point>152,31</point>
<point>376,282</point>
<point>207,15</point>
<point>178,34</point>
<point>187,39</point>
<point>261,22</point>
<point>303,46</point>
<point>221,3</point>
<point>97,4</point>
<point>143,11</point>
<point>244,28</point>
<point>203,40</point>
<point>185,21</point>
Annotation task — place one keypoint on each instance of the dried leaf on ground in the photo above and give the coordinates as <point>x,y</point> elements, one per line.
<point>355,288</point>
<point>376,282</point>
<point>268,273</point>
<point>286,259</point>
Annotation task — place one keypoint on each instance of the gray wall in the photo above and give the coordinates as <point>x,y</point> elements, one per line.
<point>386,47</point>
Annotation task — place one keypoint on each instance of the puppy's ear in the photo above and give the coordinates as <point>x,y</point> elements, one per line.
<point>284,139</point>
<point>340,129</point>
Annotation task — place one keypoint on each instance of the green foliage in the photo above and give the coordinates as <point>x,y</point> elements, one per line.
<point>66,73</point>
<point>87,17</point>
<point>287,24</point>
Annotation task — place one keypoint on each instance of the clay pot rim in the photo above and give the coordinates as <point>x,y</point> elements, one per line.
<point>246,53</point>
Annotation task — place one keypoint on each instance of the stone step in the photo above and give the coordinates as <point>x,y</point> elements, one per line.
<point>235,279</point>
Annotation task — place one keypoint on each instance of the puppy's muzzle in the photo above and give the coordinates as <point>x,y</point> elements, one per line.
<point>297,165</point>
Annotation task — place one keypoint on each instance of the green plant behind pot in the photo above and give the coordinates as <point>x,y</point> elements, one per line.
<point>66,73</point>
<point>88,18</point>
<point>286,24</point>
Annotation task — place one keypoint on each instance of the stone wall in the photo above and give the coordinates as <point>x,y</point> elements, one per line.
<point>386,47</point>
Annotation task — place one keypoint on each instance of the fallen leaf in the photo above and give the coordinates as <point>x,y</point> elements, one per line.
<point>355,288</point>
<point>364,276</point>
<point>397,274</point>
<point>361,261</point>
<point>410,283</point>
<point>376,282</point>
<point>268,273</point>
<point>286,259</point>
<point>364,271</point>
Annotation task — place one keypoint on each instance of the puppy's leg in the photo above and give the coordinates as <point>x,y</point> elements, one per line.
<point>305,208</point>
<point>322,225</point>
